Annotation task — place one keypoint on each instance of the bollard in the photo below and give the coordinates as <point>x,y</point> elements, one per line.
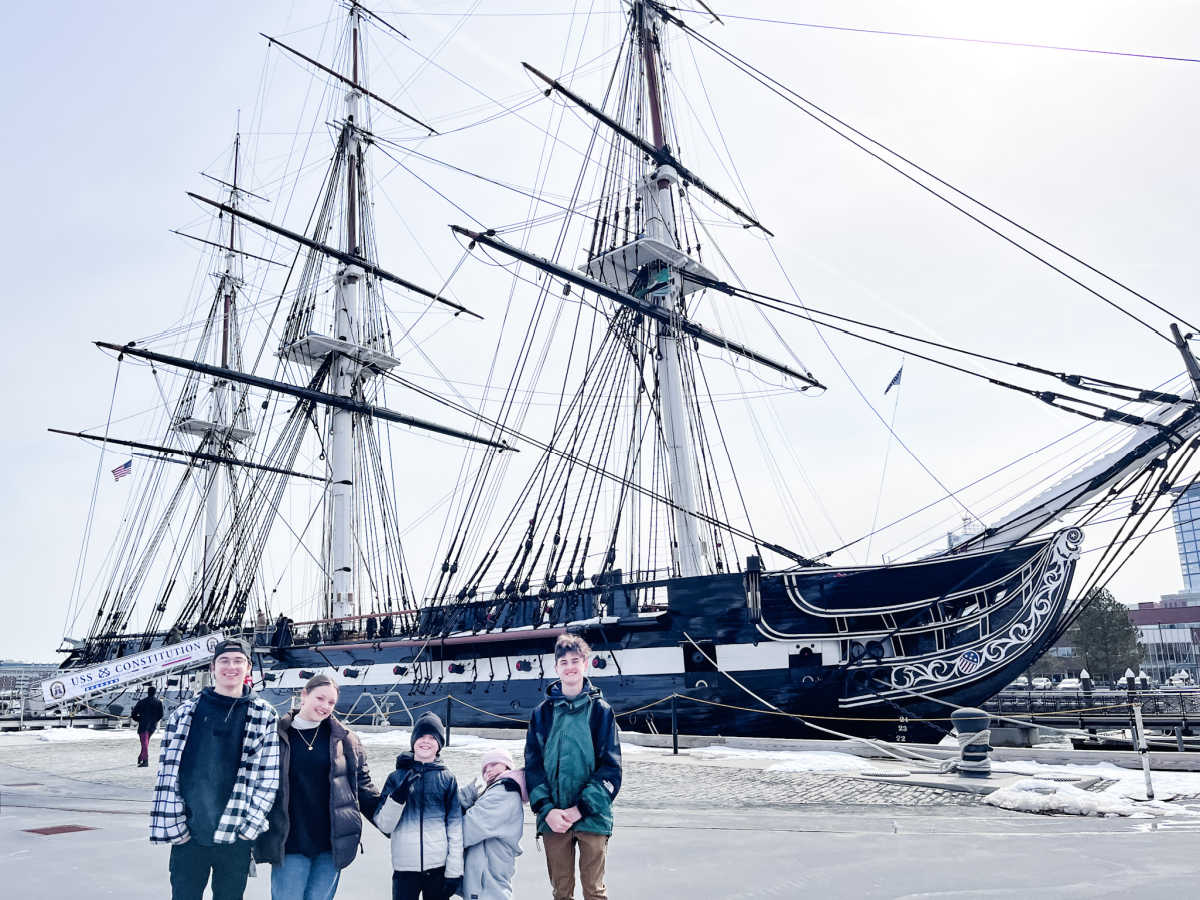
<point>674,728</point>
<point>1179,738</point>
<point>447,721</point>
<point>973,729</point>
<point>1139,733</point>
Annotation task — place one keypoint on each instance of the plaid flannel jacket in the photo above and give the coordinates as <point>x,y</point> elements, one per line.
<point>254,788</point>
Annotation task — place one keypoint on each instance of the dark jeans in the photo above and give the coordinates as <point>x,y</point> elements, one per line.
<point>191,864</point>
<point>429,884</point>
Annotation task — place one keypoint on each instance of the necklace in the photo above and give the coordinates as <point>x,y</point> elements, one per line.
<point>307,743</point>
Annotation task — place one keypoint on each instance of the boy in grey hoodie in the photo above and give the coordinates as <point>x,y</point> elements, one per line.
<point>419,809</point>
<point>493,819</point>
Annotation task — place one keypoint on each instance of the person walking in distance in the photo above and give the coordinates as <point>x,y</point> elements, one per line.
<point>419,809</point>
<point>218,774</point>
<point>147,712</point>
<point>573,772</point>
<point>315,826</point>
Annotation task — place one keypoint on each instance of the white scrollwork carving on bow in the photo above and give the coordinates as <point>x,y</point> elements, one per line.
<point>1062,553</point>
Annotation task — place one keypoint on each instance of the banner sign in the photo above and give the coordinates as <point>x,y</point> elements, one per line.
<point>70,684</point>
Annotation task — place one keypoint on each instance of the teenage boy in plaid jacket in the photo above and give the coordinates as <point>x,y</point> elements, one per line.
<point>218,773</point>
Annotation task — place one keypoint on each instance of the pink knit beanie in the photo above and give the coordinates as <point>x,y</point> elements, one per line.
<point>495,756</point>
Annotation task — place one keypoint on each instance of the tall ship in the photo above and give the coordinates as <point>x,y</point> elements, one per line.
<point>594,485</point>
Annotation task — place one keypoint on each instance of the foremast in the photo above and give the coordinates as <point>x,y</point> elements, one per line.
<point>219,433</point>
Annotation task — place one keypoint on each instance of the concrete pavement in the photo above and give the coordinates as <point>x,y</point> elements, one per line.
<point>686,828</point>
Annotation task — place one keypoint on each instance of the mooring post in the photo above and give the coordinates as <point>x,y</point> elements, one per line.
<point>1179,738</point>
<point>675,727</point>
<point>973,729</point>
<point>447,721</point>
<point>1140,741</point>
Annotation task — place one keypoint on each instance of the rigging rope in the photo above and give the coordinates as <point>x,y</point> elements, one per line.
<point>791,97</point>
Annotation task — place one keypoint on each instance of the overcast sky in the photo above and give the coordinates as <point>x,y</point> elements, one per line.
<point>114,108</point>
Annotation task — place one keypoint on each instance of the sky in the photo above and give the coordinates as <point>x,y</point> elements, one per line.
<point>115,108</point>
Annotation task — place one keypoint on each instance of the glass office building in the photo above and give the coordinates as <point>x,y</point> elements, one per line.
<point>1187,534</point>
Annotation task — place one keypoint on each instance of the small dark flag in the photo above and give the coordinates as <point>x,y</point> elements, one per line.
<point>122,470</point>
<point>895,382</point>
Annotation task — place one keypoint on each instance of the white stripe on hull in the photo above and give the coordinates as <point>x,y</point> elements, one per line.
<point>636,661</point>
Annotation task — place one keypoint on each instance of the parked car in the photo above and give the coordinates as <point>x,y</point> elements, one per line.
<point>1041,683</point>
<point>1020,683</point>
<point>1069,684</point>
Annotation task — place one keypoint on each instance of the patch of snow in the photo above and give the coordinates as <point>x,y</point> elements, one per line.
<point>1037,796</point>
<point>401,737</point>
<point>1129,782</point>
<point>64,736</point>
<point>788,760</point>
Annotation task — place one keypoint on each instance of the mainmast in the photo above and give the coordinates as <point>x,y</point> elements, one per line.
<point>345,328</point>
<point>354,355</point>
<point>659,217</point>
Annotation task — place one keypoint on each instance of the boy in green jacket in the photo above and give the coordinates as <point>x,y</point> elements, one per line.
<point>573,771</point>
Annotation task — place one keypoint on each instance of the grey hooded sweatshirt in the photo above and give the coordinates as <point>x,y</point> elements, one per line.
<point>493,820</point>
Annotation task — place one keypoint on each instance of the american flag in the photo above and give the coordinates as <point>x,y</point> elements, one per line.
<point>122,470</point>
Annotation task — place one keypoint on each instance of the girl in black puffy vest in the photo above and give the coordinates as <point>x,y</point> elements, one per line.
<point>314,828</point>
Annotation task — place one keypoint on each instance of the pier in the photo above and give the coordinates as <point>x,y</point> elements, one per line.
<point>730,819</point>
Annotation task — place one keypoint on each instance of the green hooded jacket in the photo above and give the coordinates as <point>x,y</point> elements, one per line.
<point>573,758</point>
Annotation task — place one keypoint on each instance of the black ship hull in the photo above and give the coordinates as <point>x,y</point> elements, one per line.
<point>873,651</point>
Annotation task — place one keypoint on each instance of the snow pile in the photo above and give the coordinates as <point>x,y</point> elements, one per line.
<point>1129,782</point>
<point>400,737</point>
<point>63,736</point>
<point>1038,796</point>
<point>469,743</point>
<point>787,760</point>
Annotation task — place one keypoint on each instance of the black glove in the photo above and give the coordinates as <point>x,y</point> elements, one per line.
<point>398,784</point>
<point>452,886</point>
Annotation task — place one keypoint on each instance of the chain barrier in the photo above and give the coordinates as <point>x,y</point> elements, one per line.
<point>486,712</point>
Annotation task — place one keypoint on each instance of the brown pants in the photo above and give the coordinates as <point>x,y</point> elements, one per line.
<point>560,863</point>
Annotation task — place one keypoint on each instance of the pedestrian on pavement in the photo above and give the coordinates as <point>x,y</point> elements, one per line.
<point>147,712</point>
<point>218,774</point>
<point>493,820</point>
<point>419,808</point>
<point>315,826</point>
<point>573,771</point>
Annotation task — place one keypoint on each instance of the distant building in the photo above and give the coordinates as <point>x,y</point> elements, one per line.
<point>1170,633</point>
<point>1169,629</point>
<point>1187,536</point>
<point>14,675</point>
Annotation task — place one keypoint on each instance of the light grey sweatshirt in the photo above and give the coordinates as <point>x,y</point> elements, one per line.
<point>493,820</point>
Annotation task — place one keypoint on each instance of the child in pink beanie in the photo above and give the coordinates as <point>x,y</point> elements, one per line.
<point>493,820</point>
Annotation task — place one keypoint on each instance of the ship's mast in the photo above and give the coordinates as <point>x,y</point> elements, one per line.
<point>218,432</point>
<point>220,392</point>
<point>345,370</point>
<point>659,218</point>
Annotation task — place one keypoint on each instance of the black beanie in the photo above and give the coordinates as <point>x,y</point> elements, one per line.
<point>429,723</point>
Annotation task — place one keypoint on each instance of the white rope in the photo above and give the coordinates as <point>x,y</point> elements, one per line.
<point>913,757</point>
<point>965,740</point>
